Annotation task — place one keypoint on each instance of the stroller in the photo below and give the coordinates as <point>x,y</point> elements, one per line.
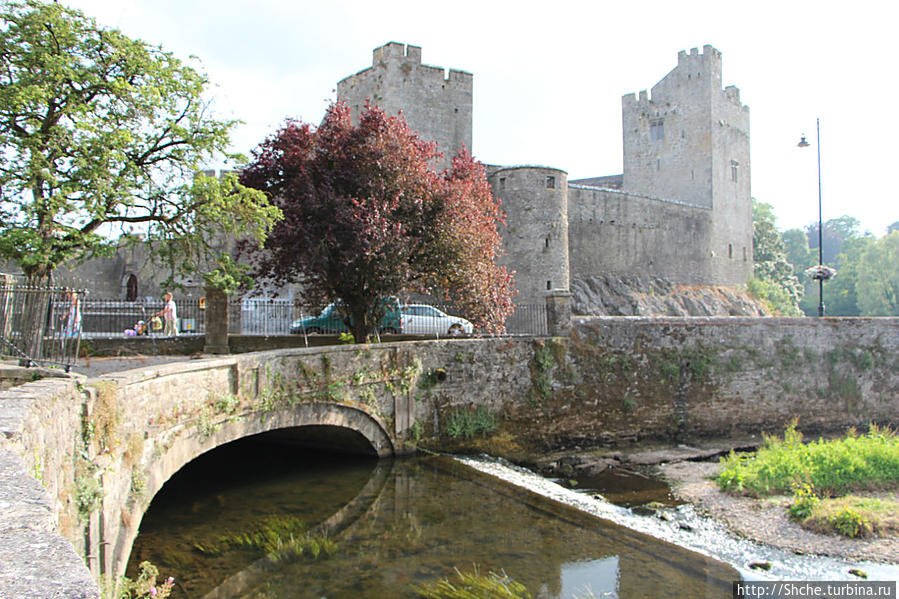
<point>138,329</point>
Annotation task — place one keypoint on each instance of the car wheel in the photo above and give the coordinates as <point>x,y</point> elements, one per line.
<point>313,331</point>
<point>391,331</point>
<point>456,330</point>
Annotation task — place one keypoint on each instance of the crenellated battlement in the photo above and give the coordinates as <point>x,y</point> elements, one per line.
<point>396,51</point>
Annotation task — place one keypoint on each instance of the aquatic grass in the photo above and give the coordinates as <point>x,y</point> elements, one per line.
<point>474,586</point>
<point>283,539</point>
<point>831,468</point>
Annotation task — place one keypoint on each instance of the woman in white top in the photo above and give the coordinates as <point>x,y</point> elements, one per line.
<point>169,315</point>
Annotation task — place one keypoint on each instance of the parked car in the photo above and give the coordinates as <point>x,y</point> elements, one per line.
<point>331,322</point>
<point>421,319</point>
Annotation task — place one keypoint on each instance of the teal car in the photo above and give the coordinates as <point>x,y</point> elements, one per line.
<point>331,322</point>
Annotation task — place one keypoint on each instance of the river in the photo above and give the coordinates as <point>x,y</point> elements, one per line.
<point>395,524</point>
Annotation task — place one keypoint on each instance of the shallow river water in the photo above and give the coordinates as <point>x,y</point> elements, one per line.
<point>405,522</point>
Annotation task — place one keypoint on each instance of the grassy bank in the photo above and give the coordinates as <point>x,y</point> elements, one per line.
<point>820,475</point>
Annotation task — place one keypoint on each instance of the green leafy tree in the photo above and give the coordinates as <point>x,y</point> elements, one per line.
<point>840,293</point>
<point>798,252</point>
<point>101,135</point>
<point>774,281</point>
<point>878,277</point>
<point>836,232</point>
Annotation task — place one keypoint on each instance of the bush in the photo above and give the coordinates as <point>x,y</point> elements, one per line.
<point>804,502</point>
<point>850,523</point>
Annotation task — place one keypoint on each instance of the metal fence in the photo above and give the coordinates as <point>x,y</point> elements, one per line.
<point>40,326</point>
<point>105,317</point>
<point>281,316</point>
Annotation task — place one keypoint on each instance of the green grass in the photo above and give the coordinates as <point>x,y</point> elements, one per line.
<point>854,516</point>
<point>831,468</point>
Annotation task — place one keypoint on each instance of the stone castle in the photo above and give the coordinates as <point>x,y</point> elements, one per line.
<point>681,211</point>
<point>680,215</point>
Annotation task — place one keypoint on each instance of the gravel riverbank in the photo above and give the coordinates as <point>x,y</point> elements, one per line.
<point>765,520</point>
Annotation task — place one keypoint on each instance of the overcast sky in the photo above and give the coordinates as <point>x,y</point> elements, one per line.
<point>549,76</point>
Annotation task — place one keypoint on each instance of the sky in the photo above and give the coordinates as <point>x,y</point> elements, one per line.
<point>548,77</point>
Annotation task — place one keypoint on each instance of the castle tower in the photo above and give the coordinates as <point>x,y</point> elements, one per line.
<point>436,106</point>
<point>535,237</point>
<point>689,142</point>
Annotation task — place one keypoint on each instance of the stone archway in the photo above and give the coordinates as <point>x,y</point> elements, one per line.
<point>123,517</point>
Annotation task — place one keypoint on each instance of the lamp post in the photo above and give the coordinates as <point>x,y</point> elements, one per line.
<point>821,273</point>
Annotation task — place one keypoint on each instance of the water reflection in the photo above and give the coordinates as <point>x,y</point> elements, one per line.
<point>418,520</point>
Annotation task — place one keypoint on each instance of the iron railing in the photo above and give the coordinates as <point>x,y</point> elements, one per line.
<point>282,316</point>
<point>41,325</point>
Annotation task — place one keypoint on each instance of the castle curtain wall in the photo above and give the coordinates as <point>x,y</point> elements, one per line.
<point>617,232</point>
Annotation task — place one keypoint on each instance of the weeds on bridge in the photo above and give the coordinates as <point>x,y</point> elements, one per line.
<point>466,423</point>
<point>143,587</point>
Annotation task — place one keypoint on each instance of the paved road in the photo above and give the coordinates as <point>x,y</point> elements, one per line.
<point>92,367</point>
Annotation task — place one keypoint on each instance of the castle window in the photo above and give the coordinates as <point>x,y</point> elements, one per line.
<point>658,164</point>
<point>744,253</point>
<point>546,241</point>
<point>656,130</point>
<point>730,251</point>
<point>734,169</point>
<point>549,285</point>
<point>550,182</point>
<point>502,183</point>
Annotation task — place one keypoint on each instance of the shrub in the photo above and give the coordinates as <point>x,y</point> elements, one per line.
<point>850,523</point>
<point>804,502</point>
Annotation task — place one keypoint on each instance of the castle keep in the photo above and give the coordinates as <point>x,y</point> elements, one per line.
<point>681,210</point>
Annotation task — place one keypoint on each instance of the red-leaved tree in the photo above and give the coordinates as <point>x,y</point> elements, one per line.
<point>366,217</point>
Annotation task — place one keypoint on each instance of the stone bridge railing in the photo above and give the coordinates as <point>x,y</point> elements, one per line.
<point>85,457</point>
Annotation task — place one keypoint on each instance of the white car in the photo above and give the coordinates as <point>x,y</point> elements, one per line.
<point>421,319</point>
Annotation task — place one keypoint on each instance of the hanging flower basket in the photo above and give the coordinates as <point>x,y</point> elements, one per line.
<point>820,272</point>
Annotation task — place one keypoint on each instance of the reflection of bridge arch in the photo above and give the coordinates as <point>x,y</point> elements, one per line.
<point>352,429</point>
<point>356,509</point>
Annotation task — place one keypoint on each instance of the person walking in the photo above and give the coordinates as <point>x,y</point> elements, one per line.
<point>169,315</point>
<point>72,324</point>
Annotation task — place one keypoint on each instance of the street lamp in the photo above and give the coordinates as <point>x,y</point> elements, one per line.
<point>821,272</point>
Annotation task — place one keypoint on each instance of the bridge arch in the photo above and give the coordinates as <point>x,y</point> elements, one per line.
<point>368,431</point>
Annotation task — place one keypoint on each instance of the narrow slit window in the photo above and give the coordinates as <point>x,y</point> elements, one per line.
<point>730,250</point>
<point>550,182</point>
<point>549,285</point>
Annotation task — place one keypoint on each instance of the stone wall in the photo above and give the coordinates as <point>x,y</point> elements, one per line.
<point>615,232</point>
